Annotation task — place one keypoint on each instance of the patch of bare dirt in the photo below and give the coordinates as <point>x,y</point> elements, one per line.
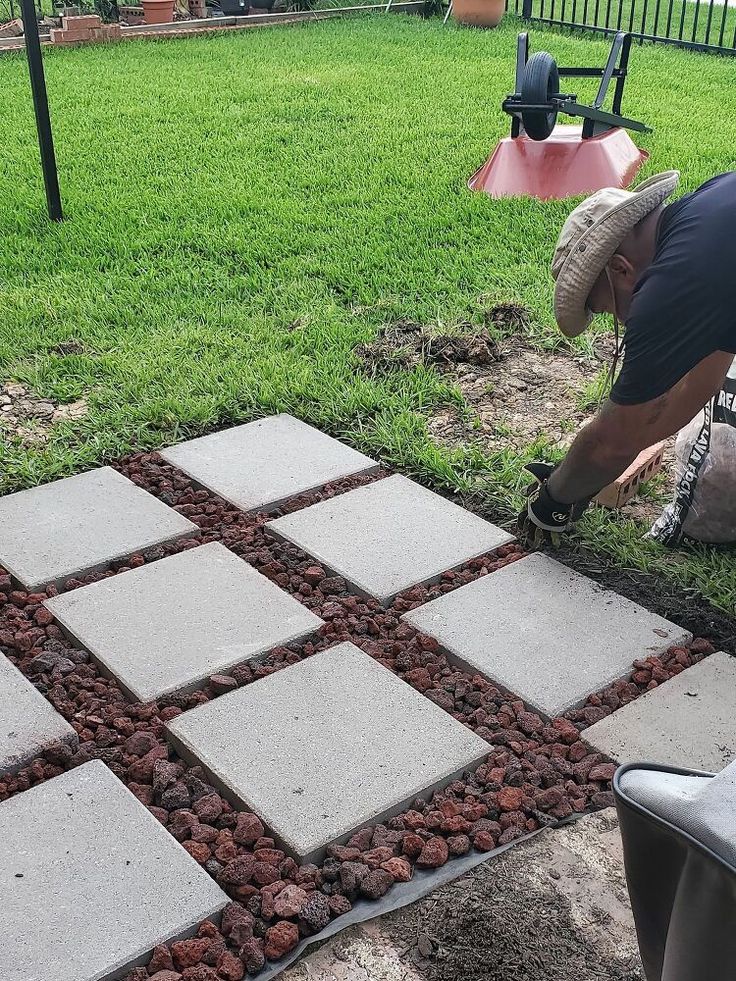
<point>524,393</point>
<point>407,344</point>
<point>30,419</point>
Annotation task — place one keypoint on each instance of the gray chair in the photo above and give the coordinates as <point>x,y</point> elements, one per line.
<point>679,835</point>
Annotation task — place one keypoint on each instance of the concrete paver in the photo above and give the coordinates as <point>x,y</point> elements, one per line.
<point>167,626</point>
<point>389,536</point>
<point>261,464</point>
<point>91,881</point>
<point>28,723</point>
<point>326,746</point>
<point>688,721</point>
<point>544,632</point>
<point>58,530</point>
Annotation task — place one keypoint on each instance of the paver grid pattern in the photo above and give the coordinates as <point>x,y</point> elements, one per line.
<point>544,632</point>
<point>28,724</point>
<point>167,626</point>
<point>689,722</point>
<point>500,755</point>
<point>389,536</point>
<point>57,530</point>
<point>261,464</point>
<point>91,881</point>
<point>326,747</point>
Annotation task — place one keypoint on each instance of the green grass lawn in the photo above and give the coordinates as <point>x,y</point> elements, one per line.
<point>244,209</point>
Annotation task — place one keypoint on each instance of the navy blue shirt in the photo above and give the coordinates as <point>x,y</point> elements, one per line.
<point>684,306</point>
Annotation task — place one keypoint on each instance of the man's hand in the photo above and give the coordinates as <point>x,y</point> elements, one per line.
<point>544,518</point>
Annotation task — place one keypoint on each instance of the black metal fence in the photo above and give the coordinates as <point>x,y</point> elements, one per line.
<point>701,25</point>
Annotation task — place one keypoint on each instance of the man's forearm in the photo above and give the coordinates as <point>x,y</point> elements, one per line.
<point>592,463</point>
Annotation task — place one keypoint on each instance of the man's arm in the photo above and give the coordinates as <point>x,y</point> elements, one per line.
<point>606,447</point>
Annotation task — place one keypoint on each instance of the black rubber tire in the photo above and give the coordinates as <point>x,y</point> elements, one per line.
<point>540,82</point>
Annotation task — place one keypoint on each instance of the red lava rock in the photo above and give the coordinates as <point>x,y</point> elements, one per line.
<point>140,743</point>
<point>458,844</point>
<point>290,901</point>
<point>237,923</point>
<point>412,845</point>
<point>434,854</point>
<point>199,851</point>
<point>567,733</point>
<point>376,884</point>
<point>208,808</point>
<point>351,875</point>
<point>413,820</point>
<point>603,799</point>
<point>339,905</point>
<point>200,973</point>
<point>142,769</point>
<point>419,678</point>
<point>265,874</point>
<point>314,575</point>
<point>222,683</point>
<point>377,856</point>
<point>510,798</point>
<point>280,939</point>
<point>578,751</point>
<point>226,852</point>
<point>160,814</point>
<point>230,967</point>
<point>456,825</point>
<point>204,833</point>
<point>164,774</point>
<point>603,771</point>
<point>181,822</point>
<point>253,955</point>
<point>187,953</point>
<point>399,869</point>
<point>238,872</point>
<point>484,842</point>
<point>248,829</point>
<point>166,976</point>
<point>271,856</point>
<point>315,913</point>
<point>343,854</point>
<point>176,796</point>
<point>361,839</point>
<point>161,960</point>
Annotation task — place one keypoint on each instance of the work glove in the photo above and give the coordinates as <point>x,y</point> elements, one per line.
<point>544,519</point>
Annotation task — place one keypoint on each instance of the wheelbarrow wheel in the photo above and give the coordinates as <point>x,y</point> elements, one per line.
<point>541,81</point>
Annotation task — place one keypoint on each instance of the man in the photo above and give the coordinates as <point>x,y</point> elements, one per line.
<point>669,273</point>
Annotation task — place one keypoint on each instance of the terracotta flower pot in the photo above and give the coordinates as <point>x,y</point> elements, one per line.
<point>478,13</point>
<point>158,11</point>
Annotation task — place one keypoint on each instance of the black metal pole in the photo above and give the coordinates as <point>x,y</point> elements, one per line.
<point>41,108</point>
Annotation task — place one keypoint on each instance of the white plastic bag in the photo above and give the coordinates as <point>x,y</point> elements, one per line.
<point>704,507</point>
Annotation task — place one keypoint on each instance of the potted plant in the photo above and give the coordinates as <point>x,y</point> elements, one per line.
<point>158,11</point>
<point>478,13</point>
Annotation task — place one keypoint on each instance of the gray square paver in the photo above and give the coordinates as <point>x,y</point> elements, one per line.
<point>389,536</point>
<point>28,723</point>
<point>545,633</point>
<point>688,721</point>
<point>91,881</point>
<point>263,463</point>
<point>71,526</point>
<point>167,626</point>
<point>326,746</point>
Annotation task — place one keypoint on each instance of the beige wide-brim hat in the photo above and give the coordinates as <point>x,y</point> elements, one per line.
<point>590,237</point>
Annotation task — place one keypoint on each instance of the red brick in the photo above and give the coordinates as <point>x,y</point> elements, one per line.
<point>622,490</point>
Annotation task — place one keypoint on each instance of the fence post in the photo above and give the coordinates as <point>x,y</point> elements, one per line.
<point>526,9</point>
<point>41,109</point>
